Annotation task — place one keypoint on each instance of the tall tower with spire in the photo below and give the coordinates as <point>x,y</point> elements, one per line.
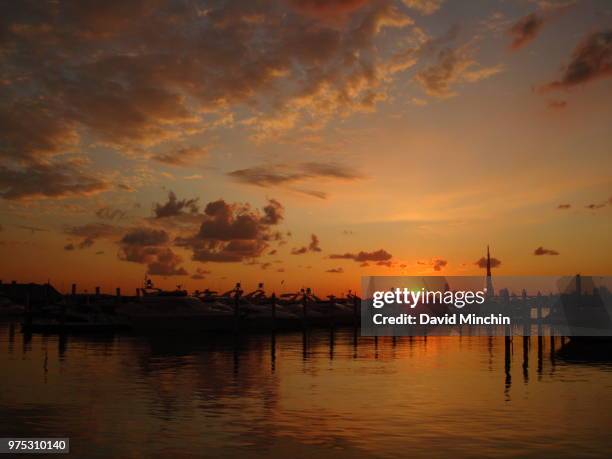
<point>490,291</point>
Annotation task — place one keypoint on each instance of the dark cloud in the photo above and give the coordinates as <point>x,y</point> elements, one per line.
<point>313,193</point>
<point>108,213</point>
<point>424,6</point>
<point>91,232</point>
<point>140,237</point>
<point>233,232</point>
<point>132,74</point>
<point>314,243</point>
<point>95,231</point>
<point>165,263</point>
<point>313,246</point>
<point>225,222</point>
<point>482,262</point>
<point>49,180</point>
<point>69,246</point>
<point>148,246</point>
<point>264,176</point>
<point>30,131</point>
<point>388,263</point>
<point>327,10</point>
<point>175,207</point>
<point>542,251</point>
<point>230,251</point>
<point>182,156</point>
<point>438,264</point>
<point>591,60</point>
<point>378,255</point>
<point>330,170</point>
<point>564,206</point>
<point>200,274</point>
<point>335,270</point>
<point>594,206</point>
<point>557,104</point>
<point>599,205</point>
<point>453,66</point>
<point>283,174</point>
<point>86,243</point>
<point>273,213</point>
<point>32,229</point>
<point>525,30</point>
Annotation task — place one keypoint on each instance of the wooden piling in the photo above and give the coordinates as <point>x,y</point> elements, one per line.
<point>273,301</point>
<point>63,314</point>
<point>118,294</point>
<point>273,352</point>
<point>507,343</point>
<point>28,311</point>
<point>526,344</point>
<point>74,287</point>
<point>237,305</point>
<point>552,344</point>
<point>97,291</point>
<point>540,352</point>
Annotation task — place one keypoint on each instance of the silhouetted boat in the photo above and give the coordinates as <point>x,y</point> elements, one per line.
<point>10,309</point>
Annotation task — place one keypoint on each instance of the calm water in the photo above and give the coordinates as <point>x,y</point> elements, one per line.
<point>329,395</point>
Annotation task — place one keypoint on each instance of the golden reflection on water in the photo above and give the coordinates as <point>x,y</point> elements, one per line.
<point>324,393</point>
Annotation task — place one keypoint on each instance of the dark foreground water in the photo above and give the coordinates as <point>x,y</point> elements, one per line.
<point>316,395</point>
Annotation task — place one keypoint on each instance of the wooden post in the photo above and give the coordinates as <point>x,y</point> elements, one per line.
<point>540,345</point>
<point>74,289</point>
<point>118,294</point>
<point>28,311</point>
<point>273,300</point>
<point>97,291</point>
<point>138,294</point>
<point>356,302</point>
<point>507,342</point>
<point>63,314</point>
<point>304,308</point>
<point>237,302</point>
<point>507,360</point>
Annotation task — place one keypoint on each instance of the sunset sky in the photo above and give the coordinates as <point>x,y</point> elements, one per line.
<point>303,142</point>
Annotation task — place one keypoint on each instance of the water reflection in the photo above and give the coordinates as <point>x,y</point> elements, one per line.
<point>315,392</point>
